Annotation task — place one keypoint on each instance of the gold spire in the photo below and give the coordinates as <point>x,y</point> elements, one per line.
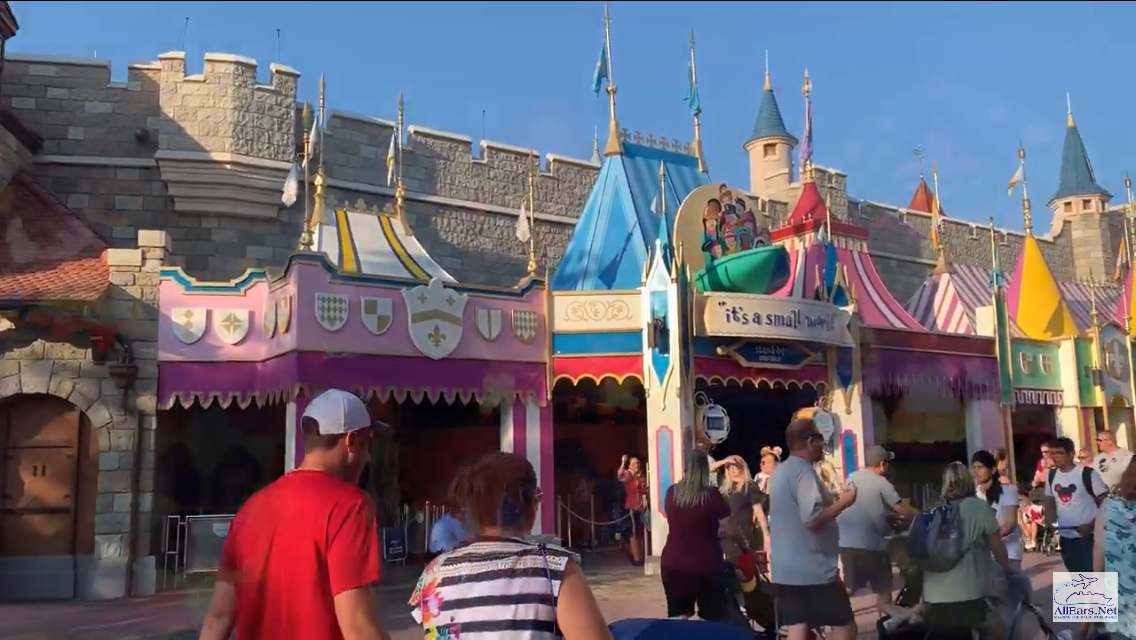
<point>532,214</point>
<point>614,146</point>
<point>936,225</point>
<point>1027,216</point>
<point>698,113</point>
<point>807,90</point>
<point>399,185</point>
<point>320,181</point>
<point>1129,230</point>
<point>768,80</point>
<point>1069,111</point>
<point>306,237</point>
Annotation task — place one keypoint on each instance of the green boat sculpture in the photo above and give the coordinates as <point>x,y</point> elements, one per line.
<point>762,271</point>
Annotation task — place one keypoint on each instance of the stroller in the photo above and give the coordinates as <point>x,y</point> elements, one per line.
<point>751,600</point>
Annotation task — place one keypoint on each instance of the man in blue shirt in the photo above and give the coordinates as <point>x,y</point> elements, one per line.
<point>447,534</point>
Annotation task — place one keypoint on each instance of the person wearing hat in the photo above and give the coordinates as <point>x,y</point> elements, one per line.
<point>302,554</point>
<point>864,526</point>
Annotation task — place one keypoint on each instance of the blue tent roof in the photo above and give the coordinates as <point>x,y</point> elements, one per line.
<point>617,229</point>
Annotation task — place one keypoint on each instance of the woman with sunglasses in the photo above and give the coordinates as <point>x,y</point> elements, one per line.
<point>527,590</point>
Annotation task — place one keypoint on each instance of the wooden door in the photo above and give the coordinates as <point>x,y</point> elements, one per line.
<point>39,446</point>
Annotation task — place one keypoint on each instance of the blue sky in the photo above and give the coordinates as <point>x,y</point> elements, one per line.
<point>964,80</point>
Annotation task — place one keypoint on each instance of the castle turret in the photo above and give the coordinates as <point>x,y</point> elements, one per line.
<point>770,147</point>
<point>1084,204</point>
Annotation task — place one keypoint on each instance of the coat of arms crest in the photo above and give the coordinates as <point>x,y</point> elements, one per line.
<point>376,314</point>
<point>268,318</point>
<point>435,317</point>
<point>189,323</point>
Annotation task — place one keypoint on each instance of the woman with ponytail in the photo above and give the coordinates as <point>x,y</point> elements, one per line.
<point>1003,499</point>
<point>500,583</point>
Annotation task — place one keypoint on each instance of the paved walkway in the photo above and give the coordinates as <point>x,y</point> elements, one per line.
<point>623,592</point>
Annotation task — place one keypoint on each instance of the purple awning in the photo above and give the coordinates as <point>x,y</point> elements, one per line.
<point>400,377</point>
<point>930,375</point>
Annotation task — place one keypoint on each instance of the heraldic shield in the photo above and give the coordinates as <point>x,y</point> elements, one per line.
<point>435,317</point>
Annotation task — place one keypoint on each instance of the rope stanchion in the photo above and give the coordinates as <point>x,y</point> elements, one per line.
<point>598,524</point>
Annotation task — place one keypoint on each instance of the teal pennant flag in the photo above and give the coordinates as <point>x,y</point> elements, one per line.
<point>600,75</point>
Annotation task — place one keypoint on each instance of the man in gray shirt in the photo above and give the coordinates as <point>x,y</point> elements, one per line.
<point>805,541</point>
<point>864,526</point>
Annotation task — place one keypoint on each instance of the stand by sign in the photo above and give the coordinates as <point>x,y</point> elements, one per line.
<point>771,317</point>
<point>770,355</point>
<point>394,544</point>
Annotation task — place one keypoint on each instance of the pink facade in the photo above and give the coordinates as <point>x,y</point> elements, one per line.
<point>259,339</point>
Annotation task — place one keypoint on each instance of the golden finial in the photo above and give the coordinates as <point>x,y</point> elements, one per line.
<point>936,223</point>
<point>698,112</point>
<point>662,189</point>
<point>614,146</point>
<point>306,235</point>
<point>1027,215</point>
<point>807,87</point>
<point>533,163</point>
<point>768,80</point>
<point>399,186</point>
<point>320,180</point>
<point>1069,111</point>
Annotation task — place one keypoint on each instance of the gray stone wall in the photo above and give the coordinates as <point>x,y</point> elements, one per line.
<point>34,362</point>
<point>102,136</point>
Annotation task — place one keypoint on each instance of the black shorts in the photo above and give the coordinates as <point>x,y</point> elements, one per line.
<point>686,591</point>
<point>864,568</point>
<point>957,616</point>
<point>1077,554</point>
<point>815,605</point>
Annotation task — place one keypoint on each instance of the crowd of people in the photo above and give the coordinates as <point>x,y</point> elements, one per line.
<point>302,555</point>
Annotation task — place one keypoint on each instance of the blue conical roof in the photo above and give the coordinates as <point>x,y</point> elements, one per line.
<point>769,123</point>
<point>1077,177</point>
<point>617,230</point>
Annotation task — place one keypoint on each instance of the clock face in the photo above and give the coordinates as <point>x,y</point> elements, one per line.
<point>1116,359</point>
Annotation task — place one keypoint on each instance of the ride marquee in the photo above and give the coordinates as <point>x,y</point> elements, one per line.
<point>772,318</point>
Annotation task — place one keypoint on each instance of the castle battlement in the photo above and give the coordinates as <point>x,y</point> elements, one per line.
<point>229,69</point>
<point>357,145</point>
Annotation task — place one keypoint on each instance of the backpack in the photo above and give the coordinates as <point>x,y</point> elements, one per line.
<point>934,542</point>
<point>1086,482</point>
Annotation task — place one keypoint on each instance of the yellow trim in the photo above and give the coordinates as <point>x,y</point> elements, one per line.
<point>348,258</point>
<point>399,250</point>
<point>757,380</point>
<point>598,379</point>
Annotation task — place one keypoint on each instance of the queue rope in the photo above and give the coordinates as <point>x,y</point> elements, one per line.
<point>626,516</point>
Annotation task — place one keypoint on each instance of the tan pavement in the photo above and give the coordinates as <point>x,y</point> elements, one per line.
<point>623,593</point>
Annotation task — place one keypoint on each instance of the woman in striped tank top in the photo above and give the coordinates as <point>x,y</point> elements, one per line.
<point>500,586</point>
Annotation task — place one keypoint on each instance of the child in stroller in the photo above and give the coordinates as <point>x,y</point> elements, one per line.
<point>752,596</point>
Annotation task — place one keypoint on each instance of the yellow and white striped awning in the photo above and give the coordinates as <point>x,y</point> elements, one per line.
<point>365,242</point>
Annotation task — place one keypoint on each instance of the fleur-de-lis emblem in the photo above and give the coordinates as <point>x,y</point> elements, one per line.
<point>436,336</point>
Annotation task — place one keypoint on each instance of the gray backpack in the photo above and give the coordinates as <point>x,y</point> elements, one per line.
<point>934,542</point>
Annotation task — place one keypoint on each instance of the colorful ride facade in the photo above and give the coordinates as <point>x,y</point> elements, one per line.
<point>365,309</point>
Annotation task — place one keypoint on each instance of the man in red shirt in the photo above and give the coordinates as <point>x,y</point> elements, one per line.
<point>303,553</point>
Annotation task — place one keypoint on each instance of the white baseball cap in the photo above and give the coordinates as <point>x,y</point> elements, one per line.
<point>338,412</point>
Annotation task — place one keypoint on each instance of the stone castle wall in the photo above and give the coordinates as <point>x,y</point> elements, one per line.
<point>104,141</point>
